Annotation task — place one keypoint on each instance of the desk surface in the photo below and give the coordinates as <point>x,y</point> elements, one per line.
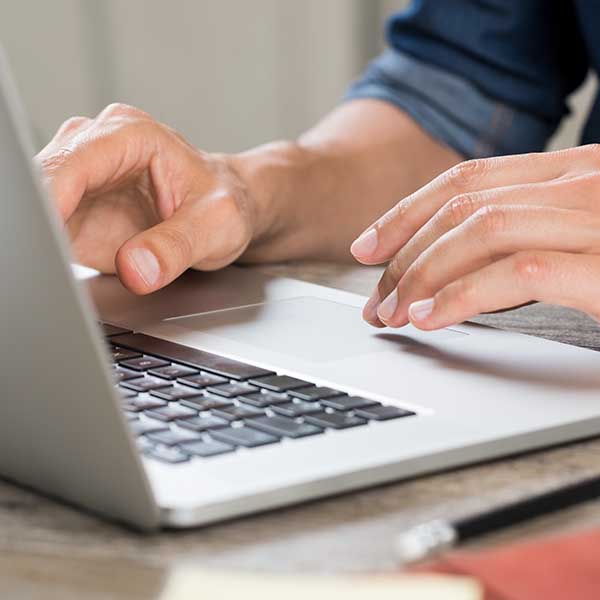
<point>49,550</point>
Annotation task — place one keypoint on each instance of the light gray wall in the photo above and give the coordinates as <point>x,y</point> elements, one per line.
<point>47,45</point>
<point>227,73</point>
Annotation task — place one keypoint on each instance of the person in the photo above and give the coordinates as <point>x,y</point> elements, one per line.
<point>435,158</point>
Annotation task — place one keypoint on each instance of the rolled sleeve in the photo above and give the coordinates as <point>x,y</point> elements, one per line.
<point>450,108</point>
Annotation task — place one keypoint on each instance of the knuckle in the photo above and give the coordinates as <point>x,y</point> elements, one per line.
<point>490,220</point>
<point>120,109</point>
<point>175,243</point>
<point>460,293</point>
<point>57,159</point>
<point>396,214</point>
<point>232,212</point>
<point>460,208</point>
<point>530,267</point>
<point>465,174</point>
<point>228,203</point>
<point>72,124</point>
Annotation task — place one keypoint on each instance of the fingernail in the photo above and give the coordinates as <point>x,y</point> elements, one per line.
<point>366,244</point>
<point>388,307</point>
<point>370,310</point>
<point>146,264</point>
<point>420,310</point>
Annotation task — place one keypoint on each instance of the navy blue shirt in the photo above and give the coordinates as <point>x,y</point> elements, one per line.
<point>488,77</point>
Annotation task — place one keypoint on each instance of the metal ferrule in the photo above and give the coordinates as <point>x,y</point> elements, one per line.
<point>424,541</point>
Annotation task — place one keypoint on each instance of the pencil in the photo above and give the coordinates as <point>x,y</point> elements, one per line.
<point>433,537</point>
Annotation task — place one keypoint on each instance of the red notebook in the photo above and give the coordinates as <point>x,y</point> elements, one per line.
<point>562,568</point>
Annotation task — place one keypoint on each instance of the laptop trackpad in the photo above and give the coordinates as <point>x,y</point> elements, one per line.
<point>308,328</point>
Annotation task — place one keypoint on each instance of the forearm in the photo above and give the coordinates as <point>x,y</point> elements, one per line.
<point>317,194</point>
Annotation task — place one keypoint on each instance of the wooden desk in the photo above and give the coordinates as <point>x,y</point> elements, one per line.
<point>48,550</point>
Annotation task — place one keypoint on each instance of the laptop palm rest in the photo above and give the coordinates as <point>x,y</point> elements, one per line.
<point>307,328</point>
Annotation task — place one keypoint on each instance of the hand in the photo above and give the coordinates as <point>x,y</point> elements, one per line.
<point>140,201</point>
<point>487,235</point>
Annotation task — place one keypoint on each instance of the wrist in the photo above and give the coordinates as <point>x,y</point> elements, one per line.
<point>274,174</point>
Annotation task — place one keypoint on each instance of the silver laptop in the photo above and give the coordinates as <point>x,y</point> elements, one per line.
<point>229,393</point>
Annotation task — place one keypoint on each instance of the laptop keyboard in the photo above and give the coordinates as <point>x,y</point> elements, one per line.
<point>183,404</point>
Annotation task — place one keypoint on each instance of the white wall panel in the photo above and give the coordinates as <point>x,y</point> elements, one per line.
<point>228,73</point>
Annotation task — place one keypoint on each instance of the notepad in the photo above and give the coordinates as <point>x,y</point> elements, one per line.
<point>188,583</point>
<point>556,568</point>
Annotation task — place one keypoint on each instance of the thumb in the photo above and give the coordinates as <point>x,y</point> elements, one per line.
<point>205,232</point>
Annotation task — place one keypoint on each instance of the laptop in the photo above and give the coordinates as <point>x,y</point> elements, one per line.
<point>232,392</point>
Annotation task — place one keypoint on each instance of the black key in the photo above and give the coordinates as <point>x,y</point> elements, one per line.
<point>231,390</point>
<point>171,413</point>
<point>280,383</point>
<point>145,384</point>
<point>143,443</point>
<point>203,423</point>
<point>203,380</point>
<point>173,394</point>
<point>296,409</point>
<point>264,399</point>
<point>141,427</point>
<point>235,413</point>
<point>283,426</point>
<point>119,354</point>
<point>197,359</point>
<point>244,436</point>
<point>170,437</point>
<point>168,455</point>
<point>109,330</point>
<point>144,363</point>
<point>120,374</point>
<point>207,448</point>
<point>348,402</point>
<point>126,393</point>
<point>138,404</point>
<point>311,394</point>
<point>206,402</point>
<point>172,372</point>
<point>335,420</point>
<point>383,413</point>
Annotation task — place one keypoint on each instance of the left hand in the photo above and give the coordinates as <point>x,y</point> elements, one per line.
<point>490,234</point>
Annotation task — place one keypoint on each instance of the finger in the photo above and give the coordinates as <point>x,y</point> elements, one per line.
<point>96,155</point>
<point>571,280</point>
<point>69,128</point>
<point>387,235</point>
<point>206,234</point>
<point>572,193</point>
<point>491,233</point>
<point>576,192</point>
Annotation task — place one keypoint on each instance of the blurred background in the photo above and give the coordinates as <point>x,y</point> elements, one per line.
<point>228,74</point>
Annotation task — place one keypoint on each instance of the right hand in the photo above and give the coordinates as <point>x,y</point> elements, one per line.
<point>140,201</point>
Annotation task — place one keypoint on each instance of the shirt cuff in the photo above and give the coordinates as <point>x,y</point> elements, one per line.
<point>451,109</point>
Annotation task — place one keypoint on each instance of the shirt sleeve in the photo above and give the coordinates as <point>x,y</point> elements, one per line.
<point>484,77</point>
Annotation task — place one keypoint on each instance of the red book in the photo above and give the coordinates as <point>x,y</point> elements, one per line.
<point>561,568</point>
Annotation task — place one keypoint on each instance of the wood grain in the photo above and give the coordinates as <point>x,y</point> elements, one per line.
<point>44,543</point>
